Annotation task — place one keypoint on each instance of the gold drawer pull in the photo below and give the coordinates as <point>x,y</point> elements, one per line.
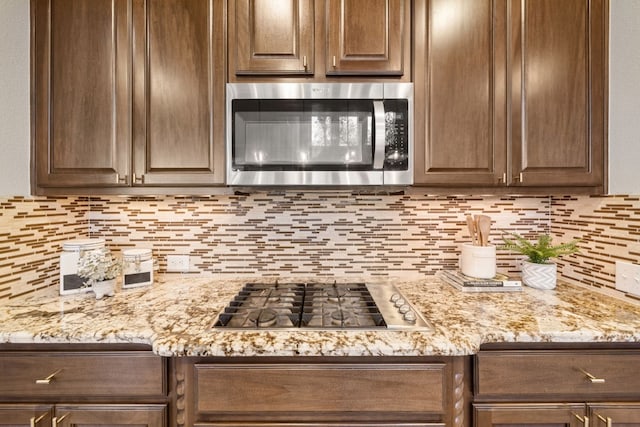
<point>607,420</point>
<point>34,421</point>
<point>49,378</point>
<point>56,420</point>
<point>592,378</point>
<point>584,420</point>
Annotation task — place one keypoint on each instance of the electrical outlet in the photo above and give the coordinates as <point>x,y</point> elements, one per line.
<point>178,263</point>
<point>628,277</point>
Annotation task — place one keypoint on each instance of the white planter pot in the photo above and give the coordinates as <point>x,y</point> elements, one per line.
<point>104,288</point>
<point>539,276</point>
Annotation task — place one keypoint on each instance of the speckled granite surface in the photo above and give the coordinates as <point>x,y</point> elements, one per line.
<point>175,317</point>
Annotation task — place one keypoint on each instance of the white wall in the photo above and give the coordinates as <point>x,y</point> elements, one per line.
<point>624,97</point>
<point>14,98</point>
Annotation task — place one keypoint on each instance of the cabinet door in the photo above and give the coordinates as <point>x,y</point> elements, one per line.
<point>532,414</point>
<point>271,36</point>
<point>80,92</point>
<point>614,414</point>
<point>111,415</point>
<point>558,72</point>
<point>365,36</point>
<point>179,76</point>
<point>17,415</point>
<point>460,71</point>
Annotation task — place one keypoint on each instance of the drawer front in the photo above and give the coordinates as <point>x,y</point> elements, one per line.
<point>61,374</point>
<point>586,374</point>
<point>259,391</point>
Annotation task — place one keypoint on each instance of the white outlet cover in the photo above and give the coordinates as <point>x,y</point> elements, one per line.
<point>628,277</point>
<point>177,263</point>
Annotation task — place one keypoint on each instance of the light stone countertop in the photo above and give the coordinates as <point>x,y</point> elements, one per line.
<point>175,318</point>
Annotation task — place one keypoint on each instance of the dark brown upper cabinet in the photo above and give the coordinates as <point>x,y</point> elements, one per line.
<point>510,93</point>
<point>81,125</point>
<point>365,37</point>
<point>319,40</point>
<point>178,93</point>
<point>127,94</point>
<point>272,37</point>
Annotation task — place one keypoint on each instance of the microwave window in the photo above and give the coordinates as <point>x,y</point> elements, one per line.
<point>302,134</point>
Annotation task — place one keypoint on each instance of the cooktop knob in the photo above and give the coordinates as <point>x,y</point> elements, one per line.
<point>394,297</point>
<point>399,302</point>
<point>410,317</point>
<point>404,309</point>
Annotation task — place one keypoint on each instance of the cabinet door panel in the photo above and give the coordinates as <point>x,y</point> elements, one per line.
<point>618,414</point>
<point>111,415</point>
<point>460,60</point>
<point>558,91</point>
<point>531,414</point>
<point>272,36</point>
<point>27,415</point>
<point>179,92</point>
<point>365,36</point>
<point>81,92</point>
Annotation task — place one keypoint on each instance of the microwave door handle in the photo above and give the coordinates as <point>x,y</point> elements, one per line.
<point>380,131</point>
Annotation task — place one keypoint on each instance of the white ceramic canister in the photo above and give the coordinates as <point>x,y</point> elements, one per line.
<point>478,261</point>
<point>70,282</point>
<point>138,267</point>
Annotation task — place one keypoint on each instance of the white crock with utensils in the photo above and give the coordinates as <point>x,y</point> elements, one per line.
<point>478,258</point>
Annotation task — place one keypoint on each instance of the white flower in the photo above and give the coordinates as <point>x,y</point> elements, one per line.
<point>98,265</point>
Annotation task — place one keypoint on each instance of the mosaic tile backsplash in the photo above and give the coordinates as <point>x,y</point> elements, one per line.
<point>312,233</point>
<point>31,232</point>
<point>609,230</point>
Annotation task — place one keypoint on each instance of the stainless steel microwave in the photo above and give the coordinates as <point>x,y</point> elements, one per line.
<point>319,134</point>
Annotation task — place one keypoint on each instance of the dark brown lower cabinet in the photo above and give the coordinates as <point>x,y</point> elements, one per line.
<point>614,414</point>
<point>558,414</point>
<point>138,415</point>
<point>64,386</point>
<point>95,415</point>
<point>587,386</point>
<point>350,392</point>
<point>19,415</point>
<point>529,414</point>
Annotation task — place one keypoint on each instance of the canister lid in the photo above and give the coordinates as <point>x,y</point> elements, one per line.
<point>82,245</point>
<point>137,254</point>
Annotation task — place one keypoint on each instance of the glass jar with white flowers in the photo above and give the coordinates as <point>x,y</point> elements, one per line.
<point>99,269</point>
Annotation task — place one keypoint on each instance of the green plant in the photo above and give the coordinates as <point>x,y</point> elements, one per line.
<point>541,251</point>
<point>98,265</point>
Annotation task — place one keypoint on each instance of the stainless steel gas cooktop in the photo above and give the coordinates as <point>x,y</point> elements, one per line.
<point>320,306</point>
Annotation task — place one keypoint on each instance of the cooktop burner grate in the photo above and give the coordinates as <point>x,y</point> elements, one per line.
<point>315,305</point>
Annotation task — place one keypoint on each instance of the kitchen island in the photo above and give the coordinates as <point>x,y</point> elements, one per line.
<point>165,364</point>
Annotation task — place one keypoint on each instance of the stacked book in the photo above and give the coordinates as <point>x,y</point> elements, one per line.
<point>499,283</point>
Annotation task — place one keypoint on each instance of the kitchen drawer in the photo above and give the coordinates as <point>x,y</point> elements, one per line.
<point>526,375</point>
<point>84,374</point>
<point>263,392</point>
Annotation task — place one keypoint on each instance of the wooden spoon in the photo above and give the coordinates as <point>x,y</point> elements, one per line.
<point>472,230</point>
<point>484,229</point>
